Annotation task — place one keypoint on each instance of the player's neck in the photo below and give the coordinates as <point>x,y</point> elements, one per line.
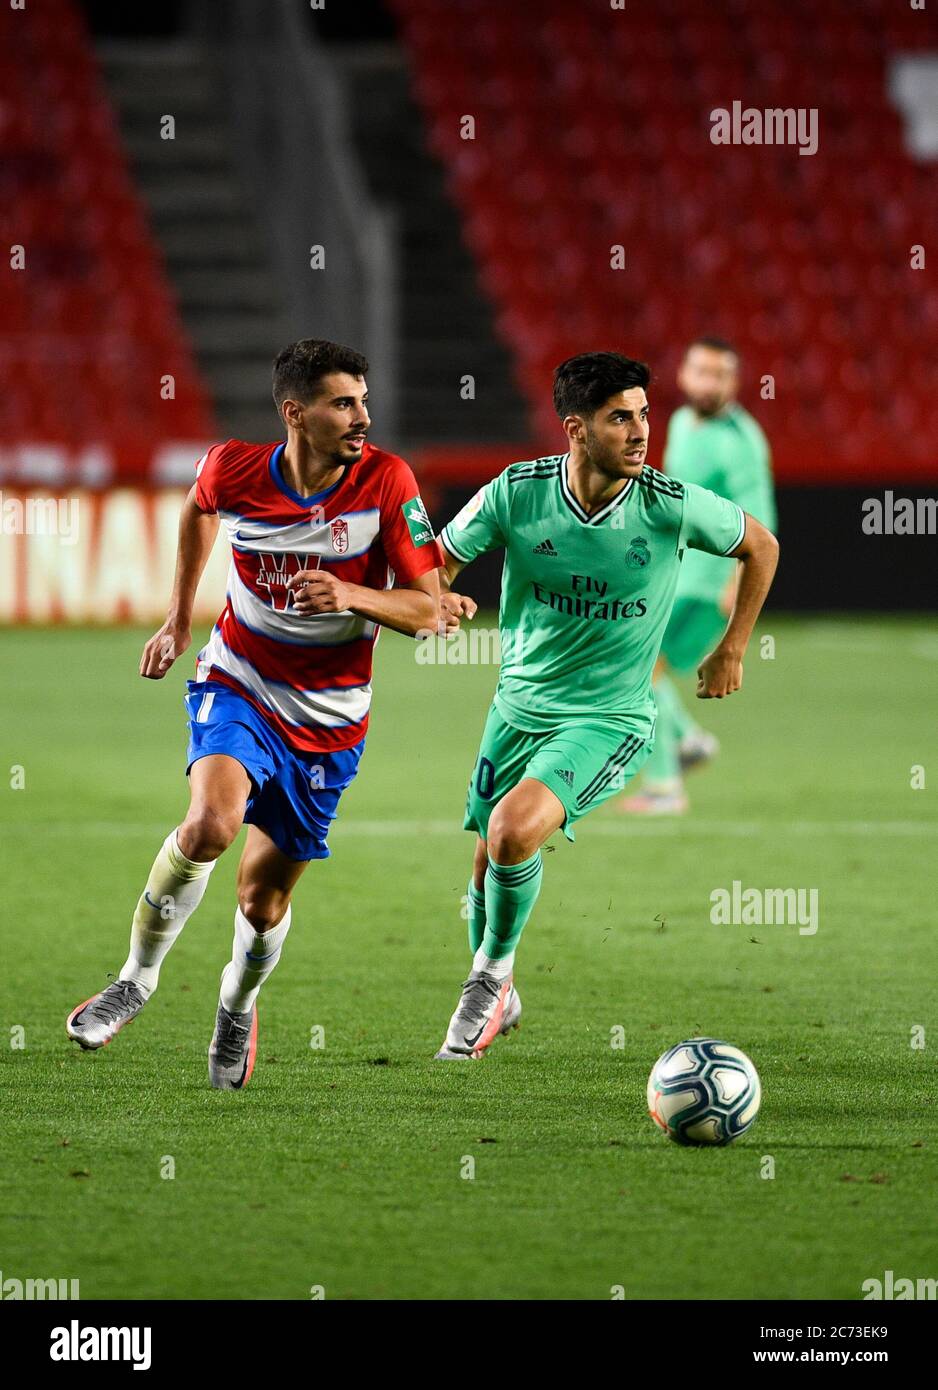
<point>590,486</point>
<point>305,471</point>
<point>702,417</point>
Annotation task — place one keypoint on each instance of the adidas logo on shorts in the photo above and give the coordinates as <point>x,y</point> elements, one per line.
<point>545,548</point>
<point>566,774</point>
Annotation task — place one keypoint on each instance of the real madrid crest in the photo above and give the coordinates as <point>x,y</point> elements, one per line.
<point>638,555</point>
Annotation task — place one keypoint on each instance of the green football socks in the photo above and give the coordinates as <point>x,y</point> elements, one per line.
<point>510,894</point>
<point>683,722</point>
<point>664,763</point>
<point>475,904</point>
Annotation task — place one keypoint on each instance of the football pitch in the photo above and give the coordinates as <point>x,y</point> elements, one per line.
<point>353,1165</point>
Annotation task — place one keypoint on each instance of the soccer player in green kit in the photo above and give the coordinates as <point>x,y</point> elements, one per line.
<point>714,442</point>
<point>594,541</point>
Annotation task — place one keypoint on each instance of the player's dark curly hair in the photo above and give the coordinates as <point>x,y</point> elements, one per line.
<point>299,367</point>
<point>583,383</point>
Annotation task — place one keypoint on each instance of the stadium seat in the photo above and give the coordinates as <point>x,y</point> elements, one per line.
<point>91,324</point>
<point>601,145</point>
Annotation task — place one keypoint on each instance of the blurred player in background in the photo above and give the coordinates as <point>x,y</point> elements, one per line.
<point>593,541</point>
<point>279,707</point>
<point>714,442</point>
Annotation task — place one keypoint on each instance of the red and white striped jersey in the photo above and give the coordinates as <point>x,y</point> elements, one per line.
<point>309,676</point>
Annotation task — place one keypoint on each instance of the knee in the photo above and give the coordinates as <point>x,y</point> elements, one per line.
<point>511,839</point>
<point>207,832</point>
<point>263,907</point>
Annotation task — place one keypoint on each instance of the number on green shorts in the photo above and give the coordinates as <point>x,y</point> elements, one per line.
<point>485,779</point>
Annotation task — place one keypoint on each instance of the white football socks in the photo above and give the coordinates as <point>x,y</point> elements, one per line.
<point>253,956</point>
<point>500,969</point>
<point>174,890</point>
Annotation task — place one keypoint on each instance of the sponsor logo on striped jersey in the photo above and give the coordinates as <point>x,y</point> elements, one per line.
<point>253,612</point>
<point>311,535</point>
<point>274,575</point>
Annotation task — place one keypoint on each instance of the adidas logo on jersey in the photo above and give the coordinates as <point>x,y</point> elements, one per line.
<point>545,548</point>
<point>566,774</point>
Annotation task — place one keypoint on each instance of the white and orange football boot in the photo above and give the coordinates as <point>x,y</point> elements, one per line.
<point>95,1022</point>
<point>233,1049</point>
<point>488,1008</point>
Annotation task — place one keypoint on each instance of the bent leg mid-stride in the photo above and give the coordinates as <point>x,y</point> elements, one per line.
<point>175,886</point>
<point>266,879</point>
<point>507,874</point>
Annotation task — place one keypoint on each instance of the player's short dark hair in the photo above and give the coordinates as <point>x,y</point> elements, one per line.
<point>583,383</point>
<point>714,344</point>
<point>299,367</point>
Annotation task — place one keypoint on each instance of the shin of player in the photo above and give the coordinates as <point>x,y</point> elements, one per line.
<point>506,880</point>
<point>175,886</point>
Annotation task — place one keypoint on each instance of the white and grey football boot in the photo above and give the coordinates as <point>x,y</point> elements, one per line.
<point>99,1019</point>
<point>233,1049</point>
<point>697,748</point>
<point>487,1009</point>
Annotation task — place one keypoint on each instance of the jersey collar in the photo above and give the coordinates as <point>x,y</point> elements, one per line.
<point>277,478</point>
<point>587,518</point>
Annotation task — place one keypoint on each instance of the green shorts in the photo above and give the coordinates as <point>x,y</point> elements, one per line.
<point>694,628</point>
<point>583,762</point>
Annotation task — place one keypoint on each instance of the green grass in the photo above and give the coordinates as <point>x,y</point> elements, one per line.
<point>341,1167</point>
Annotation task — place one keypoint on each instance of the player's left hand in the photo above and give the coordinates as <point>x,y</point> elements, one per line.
<point>719,674</point>
<point>452,608</point>
<point>318,591</point>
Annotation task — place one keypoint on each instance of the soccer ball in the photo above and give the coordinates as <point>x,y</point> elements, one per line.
<point>703,1091</point>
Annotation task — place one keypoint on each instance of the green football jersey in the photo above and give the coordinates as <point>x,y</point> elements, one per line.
<point>730,455</point>
<point>585,598</point>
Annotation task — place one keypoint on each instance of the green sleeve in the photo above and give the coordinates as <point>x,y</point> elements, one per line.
<point>482,523</point>
<point>710,522</point>
<point>747,476</point>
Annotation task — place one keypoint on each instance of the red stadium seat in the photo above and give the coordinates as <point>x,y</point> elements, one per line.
<point>803,260</point>
<point>91,322</point>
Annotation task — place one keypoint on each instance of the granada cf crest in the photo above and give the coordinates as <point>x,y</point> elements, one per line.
<point>638,554</point>
<point>339,536</point>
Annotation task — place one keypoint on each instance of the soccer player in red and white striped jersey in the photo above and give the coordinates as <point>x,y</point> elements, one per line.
<point>320,527</point>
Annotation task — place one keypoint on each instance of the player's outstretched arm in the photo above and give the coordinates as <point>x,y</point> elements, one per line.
<point>453,606</point>
<point>721,673</point>
<point>197,532</point>
<point>413,608</point>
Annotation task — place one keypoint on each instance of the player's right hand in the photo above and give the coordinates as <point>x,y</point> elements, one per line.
<point>162,649</point>
<point>452,608</point>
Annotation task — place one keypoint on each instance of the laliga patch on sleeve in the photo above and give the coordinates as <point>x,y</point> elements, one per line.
<point>418,523</point>
<point>469,510</point>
